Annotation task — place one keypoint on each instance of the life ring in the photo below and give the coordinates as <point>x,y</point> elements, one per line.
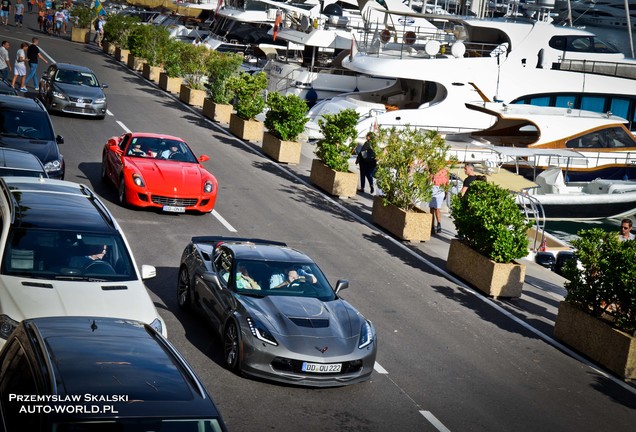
<point>409,37</point>
<point>385,36</point>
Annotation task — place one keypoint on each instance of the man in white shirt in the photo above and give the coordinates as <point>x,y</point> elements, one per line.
<point>5,64</point>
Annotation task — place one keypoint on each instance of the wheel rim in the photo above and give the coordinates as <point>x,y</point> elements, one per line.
<point>183,290</point>
<point>231,345</point>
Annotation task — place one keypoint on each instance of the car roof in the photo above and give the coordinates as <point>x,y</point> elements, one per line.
<point>19,102</point>
<point>112,356</point>
<point>21,160</point>
<point>262,251</point>
<point>56,204</point>
<point>155,135</point>
<point>73,67</point>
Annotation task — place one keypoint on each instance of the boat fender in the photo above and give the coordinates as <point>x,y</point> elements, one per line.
<point>432,47</point>
<point>458,49</point>
<point>409,37</point>
<point>385,36</point>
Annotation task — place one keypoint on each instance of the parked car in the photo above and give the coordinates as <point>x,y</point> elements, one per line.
<point>159,171</point>
<point>277,314</point>
<point>25,125</point>
<point>14,162</point>
<point>73,89</point>
<point>7,89</point>
<point>63,253</point>
<point>99,374</point>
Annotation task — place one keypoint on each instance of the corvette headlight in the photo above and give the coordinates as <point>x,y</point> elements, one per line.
<point>100,100</point>
<point>366,335</point>
<point>52,166</point>
<point>208,187</point>
<point>7,326</point>
<point>58,94</point>
<point>138,180</point>
<point>260,332</point>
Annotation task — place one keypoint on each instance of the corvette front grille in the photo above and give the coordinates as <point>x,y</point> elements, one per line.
<point>181,202</point>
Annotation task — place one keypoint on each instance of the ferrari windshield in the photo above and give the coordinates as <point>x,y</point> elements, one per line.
<point>280,278</point>
<point>160,148</point>
<point>66,255</point>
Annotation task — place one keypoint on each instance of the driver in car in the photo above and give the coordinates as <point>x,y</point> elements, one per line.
<point>293,275</point>
<point>94,253</point>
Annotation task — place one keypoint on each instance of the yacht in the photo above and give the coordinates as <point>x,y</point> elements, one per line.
<point>603,13</point>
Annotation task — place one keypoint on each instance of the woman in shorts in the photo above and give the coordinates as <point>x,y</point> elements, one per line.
<point>19,69</point>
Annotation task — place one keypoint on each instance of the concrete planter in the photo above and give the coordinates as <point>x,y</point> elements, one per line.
<point>191,96</point>
<point>281,151</point>
<point>249,130</point>
<point>341,184</point>
<point>109,48</point>
<point>81,35</point>
<point>613,349</point>
<point>414,226</point>
<point>491,278</point>
<point>218,112</point>
<point>135,63</point>
<point>121,54</point>
<point>171,85</point>
<point>151,73</point>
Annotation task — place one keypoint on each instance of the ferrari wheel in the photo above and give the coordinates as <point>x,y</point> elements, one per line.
<point>183,289</point>
<point>231,347</point>
<point>122,193</point>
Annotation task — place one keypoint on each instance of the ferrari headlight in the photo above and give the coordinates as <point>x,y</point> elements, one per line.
<point>7,326</point>
<point>366,335</point>
<point>58,94</point>
<point>138,180</point>
<point>52,166</point>
<point>208,187</point>
<point>100,100</point>
<point>260,332</point>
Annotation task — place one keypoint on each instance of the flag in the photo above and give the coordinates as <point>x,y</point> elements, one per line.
<point>99,9</point>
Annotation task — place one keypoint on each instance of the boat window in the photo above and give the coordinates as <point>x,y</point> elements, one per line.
<point>540,101</point>
<point>613,137</point>
<point>620,107</point>
<point>564,101</point>
<point>593,103</point>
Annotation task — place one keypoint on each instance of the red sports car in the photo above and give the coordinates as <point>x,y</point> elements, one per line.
<point>152,170</point>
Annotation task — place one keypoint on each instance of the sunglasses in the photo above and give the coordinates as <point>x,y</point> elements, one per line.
<point>625,227</point>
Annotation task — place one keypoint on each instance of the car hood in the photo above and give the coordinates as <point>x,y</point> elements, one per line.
<point>24,298</point>
<point>302,316</point>
<point>80,91</point>
<point>45,150</point>
<point>169,177</point>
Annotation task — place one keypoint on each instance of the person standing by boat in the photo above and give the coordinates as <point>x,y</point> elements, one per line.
<point>367,162</point>
<point>626,230</point>
<point>440,180</point>
<point>469,170</point>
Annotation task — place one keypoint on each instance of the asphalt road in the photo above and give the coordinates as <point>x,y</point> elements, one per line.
<point>447,361</point>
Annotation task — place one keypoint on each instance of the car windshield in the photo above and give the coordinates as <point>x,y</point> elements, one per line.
<point>281,279</point>
<point>66,255</point>
<point>33,125</point>
<point>87,79</point>
<point>160,148</point>
<point>139,425</point>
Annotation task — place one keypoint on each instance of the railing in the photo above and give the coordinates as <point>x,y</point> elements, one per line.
<point>615,69</point>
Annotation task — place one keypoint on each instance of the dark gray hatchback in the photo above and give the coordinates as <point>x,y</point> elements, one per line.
<point>99,374</point>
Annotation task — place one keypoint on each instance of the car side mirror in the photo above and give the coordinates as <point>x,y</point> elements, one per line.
<point>148,272</point>
<point>59,139</point>
<point>204,158</point>
<point>341,284</point>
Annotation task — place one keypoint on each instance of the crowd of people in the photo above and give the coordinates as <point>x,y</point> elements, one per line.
<point>28,54</point>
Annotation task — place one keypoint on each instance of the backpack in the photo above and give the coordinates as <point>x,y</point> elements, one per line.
<point>96,24</point>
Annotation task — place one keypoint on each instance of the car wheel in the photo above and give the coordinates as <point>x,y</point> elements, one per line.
<point>231,350</point>
<point>122,193</point>
<point>184,295</point>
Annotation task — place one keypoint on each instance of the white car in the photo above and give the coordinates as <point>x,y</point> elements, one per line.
<point>63,253</point>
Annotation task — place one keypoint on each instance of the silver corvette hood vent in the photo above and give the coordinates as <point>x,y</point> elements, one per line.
<point>309,322</point>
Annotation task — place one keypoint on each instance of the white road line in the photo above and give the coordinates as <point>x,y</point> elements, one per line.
<point>123,126</point>
<point>109,113</point>
<point>379,369</point>
<point>221,219</point>
<point>433,420</point>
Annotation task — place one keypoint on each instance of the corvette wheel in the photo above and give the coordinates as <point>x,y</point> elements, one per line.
<point>183,289</point>
<point>122,193</point>
<point>231,349</point>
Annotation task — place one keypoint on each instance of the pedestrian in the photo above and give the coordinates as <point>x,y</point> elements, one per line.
<point>59,21</point>
<point>19,13</point>
<point>469,170</point>
<point>41,17</point>
<point>440,180</point>
<point>626,230</point>
<point>33,56</point>
<point>5,10</point>
<point>20,67</point>
<point>5,63</point>
<point>67,16</point>
<point>30,4</point>
<point>100,31</point>
<point>367,162</point>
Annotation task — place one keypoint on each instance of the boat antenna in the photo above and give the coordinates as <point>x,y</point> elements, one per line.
<point>629,27</point>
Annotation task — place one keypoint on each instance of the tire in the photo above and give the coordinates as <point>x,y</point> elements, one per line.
<point>121,194</point>
<point>184,293</point>
<point>231,346</point>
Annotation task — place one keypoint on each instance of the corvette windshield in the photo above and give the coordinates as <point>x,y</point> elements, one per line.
<point>281,279</point>
<point>66,255</point>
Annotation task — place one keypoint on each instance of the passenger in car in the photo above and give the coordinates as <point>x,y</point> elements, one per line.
<point>136,150</point>
<point>244,280</point>
<point>279,281</point>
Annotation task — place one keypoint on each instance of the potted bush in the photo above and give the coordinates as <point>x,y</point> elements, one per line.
<point>153,49</point>
<point>170,79</point>
<point>598,315</point>
<point>406,163</point>
<point>493,233</point>
<point>83,18</point>
<point>285,121</point>
<point>194,65</point>
<point>330,171</point>
<point>248,102</point>
<point>116,31</point>
<point>138,37</point>
<point>221,66</point>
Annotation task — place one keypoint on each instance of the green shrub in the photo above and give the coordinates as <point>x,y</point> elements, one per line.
<point>407,161</point>
<point>194,65</point>
<point>339,132</point>
<point>83,16</point>
<point>603,285</point>
<point>172,59</point>
<point>248,89</point>
<point>118,27</point>
<point>149,42</point>
<point>221,66</point>
<point>286,117</point>
<point>489,220</point>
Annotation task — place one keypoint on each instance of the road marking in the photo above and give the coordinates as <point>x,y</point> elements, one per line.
<point>221,219</point>
<point>379,369</point>
<point>433,420</point>
<point>109,113</point>
<point>123,126</point>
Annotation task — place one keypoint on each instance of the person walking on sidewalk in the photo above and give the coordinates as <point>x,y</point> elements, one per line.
<point>33,56</point>
<point>19,13</point>
<point>5,63</point>
<point>367,162</point>
<point>5,10</point>
<point>20,67</point>
<point>440,180</point>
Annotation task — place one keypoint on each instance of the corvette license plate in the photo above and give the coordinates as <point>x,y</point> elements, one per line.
<point>322,368</point>
<point>173,209</point>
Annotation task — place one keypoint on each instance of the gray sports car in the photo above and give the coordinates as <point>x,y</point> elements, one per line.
<point>277,314</point>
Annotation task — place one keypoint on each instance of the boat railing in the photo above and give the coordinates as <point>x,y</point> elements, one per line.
<point>615,69</point>
<point>416,42</point>
<point>533,211</point>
